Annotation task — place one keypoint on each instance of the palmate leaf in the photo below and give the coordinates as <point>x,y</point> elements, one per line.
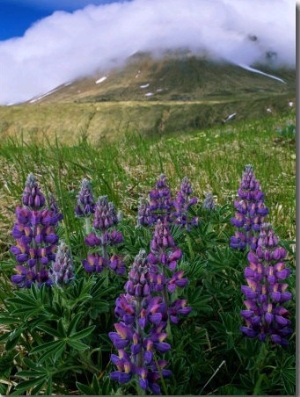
<point>285,374</point>
<point>41,377</point>
<point>81,334</point>
<point>85,389</point>
<point>28,302</point>
<point>50,330</point>
<point>96,388</point>
<point>54,349</point>
<point>36,383</point>
<point>13,338</point>
<point>74,322</point>
<point>199,302</point>
<point>79,291</point>
<point>7,318</point>
<point>77,345</point>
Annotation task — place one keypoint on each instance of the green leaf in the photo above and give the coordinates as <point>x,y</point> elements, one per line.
<point>84,389</point>
<point>13,338</point>
<point>51,331</point>
<point>82,334</point>
<point>73,323</point>
<point>28,384</point>
<point>51,348</point>
<point>9,319</point>
<point>77,345</point>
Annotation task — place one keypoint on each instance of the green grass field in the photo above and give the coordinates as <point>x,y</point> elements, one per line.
<point>127,167</point>
<point>54,341</point>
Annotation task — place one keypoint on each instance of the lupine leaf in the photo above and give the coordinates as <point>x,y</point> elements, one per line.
<point>77,345</point>
<point>50,330</point>
<point>73,323</point>
<point>84,389</point>
<point>48,348</point>
<point>82,334</point>
<point>28,384</point>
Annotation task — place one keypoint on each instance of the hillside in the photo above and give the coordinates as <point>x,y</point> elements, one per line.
<point>150,95</point>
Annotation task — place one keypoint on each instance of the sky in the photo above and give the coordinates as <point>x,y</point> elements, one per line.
<point>46,43</point>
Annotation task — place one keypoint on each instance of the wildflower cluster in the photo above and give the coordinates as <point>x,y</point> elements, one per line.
<point>161,206</point>
<point>266,290</point>
<point>250,212</point>
<point>36,238</point>
<point>103,237</point>
<point>141,332</point>
<point>147,309</point>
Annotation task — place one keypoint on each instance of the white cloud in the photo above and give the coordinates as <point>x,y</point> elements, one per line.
<point>65,46</point>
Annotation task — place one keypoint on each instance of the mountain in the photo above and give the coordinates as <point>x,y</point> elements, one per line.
<point>151,94</point>
<point>181,77</point>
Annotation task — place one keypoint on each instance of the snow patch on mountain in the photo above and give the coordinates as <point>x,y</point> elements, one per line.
<point>260,72</point>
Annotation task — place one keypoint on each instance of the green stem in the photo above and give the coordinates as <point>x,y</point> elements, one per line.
<point>87,225</point>
<point>257,387</point>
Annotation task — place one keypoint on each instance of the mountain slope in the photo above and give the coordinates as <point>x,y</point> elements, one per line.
<point>173,78</point>
<point>152,96</point>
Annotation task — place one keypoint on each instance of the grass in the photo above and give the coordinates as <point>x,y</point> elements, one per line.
<point>126,168</point>
<point>209,354</point>
<point>109,120</point>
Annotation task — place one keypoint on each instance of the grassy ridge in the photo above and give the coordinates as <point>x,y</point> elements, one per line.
<point>66,121</point>
<point>125,169</point>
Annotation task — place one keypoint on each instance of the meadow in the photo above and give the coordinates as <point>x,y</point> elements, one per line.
<point>54,340</point>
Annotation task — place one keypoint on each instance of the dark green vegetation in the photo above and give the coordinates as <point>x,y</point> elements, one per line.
<point>48,343</point>
<point>178,93</point>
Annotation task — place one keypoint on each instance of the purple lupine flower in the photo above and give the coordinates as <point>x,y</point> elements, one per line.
<point>105,214</point>
<point>32,197</point>
<point>85,201</point>
<point>209,202</point>
<point>164,278</point>
<point>266,292</point>
<point>36,238</point>
<point>145,216</point>
<point>103,237</point>
<point>161,206</point>
<point>140,332</point>
<point>62,269</point>
<point>54,208</point>
<point>182,204</point>
<point>250,212</point>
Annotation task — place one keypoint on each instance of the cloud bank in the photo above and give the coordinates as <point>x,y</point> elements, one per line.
<point>66,46</point>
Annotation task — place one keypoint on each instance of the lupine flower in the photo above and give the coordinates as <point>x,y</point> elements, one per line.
<point>183,203</point>
<point>161,206</point>
<point>164,278</point>
<point>85,200</point>
<point>266,291</point>
<point>209,202</point>
<point>140,333</point>
<point>36,238</point>
<point>250,212</point>
<point>161,203</point>
<point>32,197</point>
<point>104,237</point>
<point>62,270</point>
<point>145,217</point>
